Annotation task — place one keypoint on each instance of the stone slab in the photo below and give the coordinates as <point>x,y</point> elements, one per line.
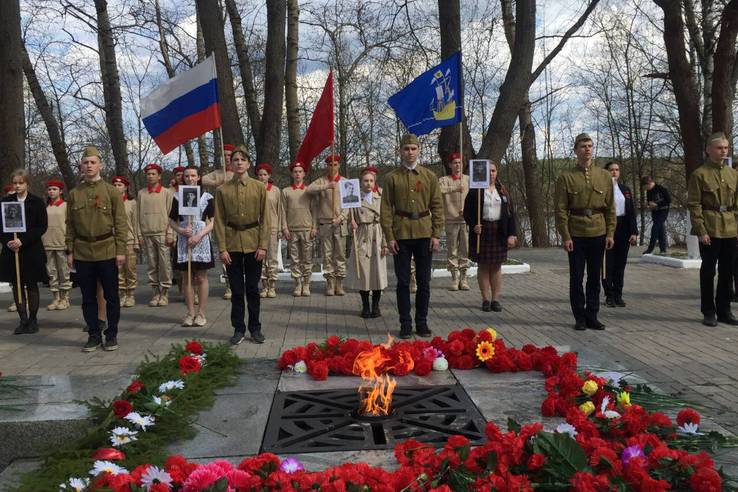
<point>671,261</point>
<point>303,382</point>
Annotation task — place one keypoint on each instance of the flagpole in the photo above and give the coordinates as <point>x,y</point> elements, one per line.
<point>222,151</point>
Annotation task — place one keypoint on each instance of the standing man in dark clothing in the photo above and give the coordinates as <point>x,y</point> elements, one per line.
<point>712,198</point>
<point>585,219</point>
<point>412,219</point>
<point>659,200</point>
<point>626,232</point>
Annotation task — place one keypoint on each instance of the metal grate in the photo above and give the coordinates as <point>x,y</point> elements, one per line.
<point>320,421</point>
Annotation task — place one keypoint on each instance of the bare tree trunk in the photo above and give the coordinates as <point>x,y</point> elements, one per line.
<point>164,48</point>
<point>449,18</point>
<point>11,90</point>
<point>723,86</point>
<point>111,88</point>
<point>202,149</point>
<point>534,201</point>
<point>291,103</point>
<point>342,118</point>
<point>244,64</point>
<point>268,144</point>
<point>212,31</point>
<point>52,126</point>
<point>684,84</point>
<point>516,83</point>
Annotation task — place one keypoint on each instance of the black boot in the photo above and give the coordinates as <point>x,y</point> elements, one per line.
<point>376,296</point>
<point>23,325</point>
<point>365,313</point>
<point>32,326</point>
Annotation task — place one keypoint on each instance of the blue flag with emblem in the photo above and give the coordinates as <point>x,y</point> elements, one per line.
<point>433,99</point>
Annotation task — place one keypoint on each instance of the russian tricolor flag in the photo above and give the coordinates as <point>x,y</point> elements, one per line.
<point>184,107</point>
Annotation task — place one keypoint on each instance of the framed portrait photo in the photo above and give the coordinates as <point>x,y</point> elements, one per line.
<point>728,161</point>
<point>479,173</point>
<point>14,217</point>
<point>349,189</point>
<point>189,200</point>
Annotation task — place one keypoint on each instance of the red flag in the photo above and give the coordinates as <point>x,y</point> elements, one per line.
<point>319,134</point>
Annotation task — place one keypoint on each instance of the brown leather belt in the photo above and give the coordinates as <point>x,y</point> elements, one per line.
<point>95,239</point>
<point>242,227</point>
<point>586,212</point>
<point>721,208</point>
<point>413,215</point>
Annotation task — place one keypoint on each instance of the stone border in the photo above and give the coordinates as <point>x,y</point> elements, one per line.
<point>671,262</point>
<point>5,287</point>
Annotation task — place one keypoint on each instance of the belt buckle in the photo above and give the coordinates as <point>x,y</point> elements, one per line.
<point>588,212</point>
<point>723,208</point>
<point>414,215</point>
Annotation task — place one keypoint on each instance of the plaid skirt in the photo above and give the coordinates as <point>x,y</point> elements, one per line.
<point>492,248</point>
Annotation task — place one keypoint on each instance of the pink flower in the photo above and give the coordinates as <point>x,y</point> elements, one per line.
<point>205,476</point>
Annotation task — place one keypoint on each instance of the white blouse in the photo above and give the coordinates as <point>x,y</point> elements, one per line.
<point>492,205</point>
<point>619,200</point>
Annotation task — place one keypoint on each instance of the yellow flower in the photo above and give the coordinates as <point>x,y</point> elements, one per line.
<point>492,332</point>
<point>624,398</point>
<point>485,351</point>
<point>590,387</point>
<point>587,407</point>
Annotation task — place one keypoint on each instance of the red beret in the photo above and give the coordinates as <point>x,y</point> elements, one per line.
<point>178,169</point>
<point>305,167</point>
<point>369,169</point>
<point>153,166</point>
<point>453,156</point>
<point>229,147</point>
<point>119,179</point>
<point>7,188</point>
<point>55,182</point>
<point>332,157</point>
<point>265,166</point>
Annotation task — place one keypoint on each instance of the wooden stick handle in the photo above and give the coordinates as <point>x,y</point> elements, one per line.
<point>479,216</point>
<point>18,286</point>
<point>189,256</point>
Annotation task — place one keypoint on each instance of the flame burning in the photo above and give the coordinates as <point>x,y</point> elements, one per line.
<point>377,387</point>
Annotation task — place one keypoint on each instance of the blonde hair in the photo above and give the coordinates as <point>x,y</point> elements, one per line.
<point>23,174</point>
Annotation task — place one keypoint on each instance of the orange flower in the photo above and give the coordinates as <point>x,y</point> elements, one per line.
<point>485,351</point>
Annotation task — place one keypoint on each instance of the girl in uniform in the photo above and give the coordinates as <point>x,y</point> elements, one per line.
<point>55,244</point>
<point>127,276</point>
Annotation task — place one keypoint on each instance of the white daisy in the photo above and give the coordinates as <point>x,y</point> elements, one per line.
<point>567,429</point>
<point>171,385</point>
<point>106,467</point>
<point>689,428</point>
<point>301,367</point>
<point>121,435</point>
<point>141,421</point>
<point>610,414</point>
<point>161,402</point>
<point>155,475</point>
<point>75,484</point>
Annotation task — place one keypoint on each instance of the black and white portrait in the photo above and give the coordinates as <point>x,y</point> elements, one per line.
<point>189,200</point>
<point>479,173</point>
<point>350,193</point>
<point>728,161</point>
<point>14,217</point>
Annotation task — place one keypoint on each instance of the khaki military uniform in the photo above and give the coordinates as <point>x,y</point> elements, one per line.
<point>297,218</point>
<point>153,221</point>
<point>585,214</point>
<point>271,263</point>
<point>54,245</point>
<point>712,199</point>
<point>127,276</point>
<point>242,225</point>
<point>454,193</point>
<point>332,237</point>
<point>372,272</point>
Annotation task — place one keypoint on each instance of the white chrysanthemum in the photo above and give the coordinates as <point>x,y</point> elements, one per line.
<point>689,428</point>
<point>155,475</point>
<point>171,385</point>
<point>610,414</point>
<point>101,466</point>
<point>140,421</point>
<point>75,484</point>
<point>161,402</point>
<point>567,429</point>
<point>122,435</point>
<point>301,367</point>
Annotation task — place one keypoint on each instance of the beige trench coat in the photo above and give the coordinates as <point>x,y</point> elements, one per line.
<point>369,244</point>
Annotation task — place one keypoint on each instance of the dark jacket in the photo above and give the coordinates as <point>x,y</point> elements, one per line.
<point>507,226</point>
<point>630,221</point>
<point>660,196</point>
<point>31,254</point>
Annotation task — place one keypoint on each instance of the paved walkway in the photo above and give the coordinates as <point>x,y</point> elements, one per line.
<point>658,335</point>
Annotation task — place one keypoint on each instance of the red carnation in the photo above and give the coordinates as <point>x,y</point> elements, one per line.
<point>548,408</point>
<point>423,367</point>
<point>194,347</point>
<point>688,415</point>
<point>135,387</point>
<point>188,364</point>
<point>121,408</point>
<point>706,480</point>
<point>318,370</point>
<point>456,348</point>
<point>536,461</point>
